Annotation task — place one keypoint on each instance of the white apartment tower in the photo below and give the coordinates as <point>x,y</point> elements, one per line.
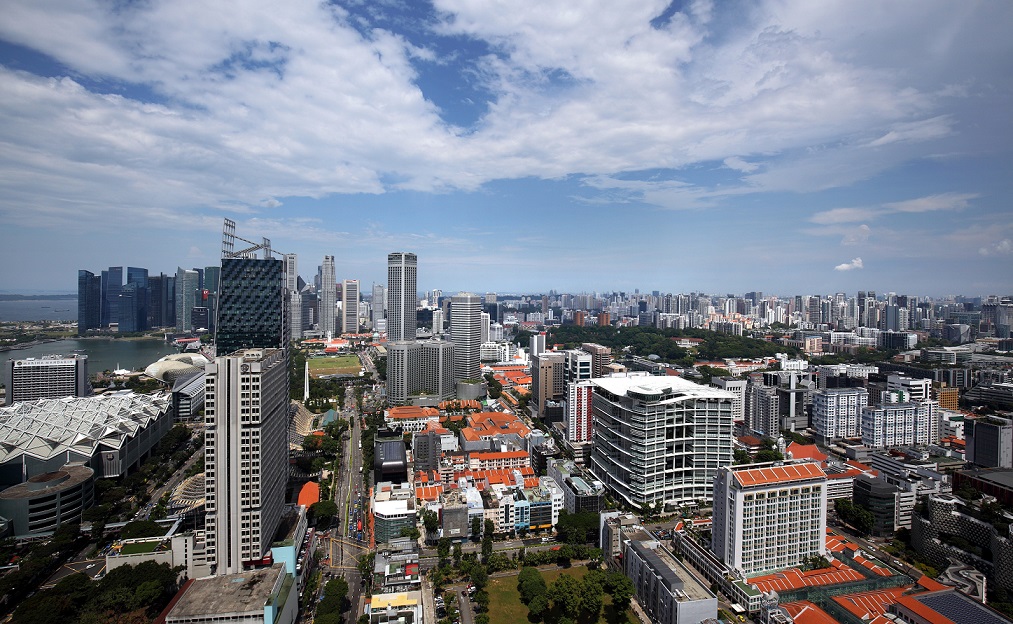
<point>769,517</point>
<point>837,413</point>
<point>466,333</point>
<point>738,388</point>
<point>350,306</point>
<point>578,411</point>
<point>659,439</point>
<point>328,300</point>
<point>898,422</point>
<point>245,455</point>
<point>402,290</point>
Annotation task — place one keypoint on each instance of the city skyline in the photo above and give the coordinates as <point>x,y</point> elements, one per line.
<point>777,146</point>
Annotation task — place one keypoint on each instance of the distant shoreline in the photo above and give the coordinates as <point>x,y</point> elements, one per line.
<point>15,297</point>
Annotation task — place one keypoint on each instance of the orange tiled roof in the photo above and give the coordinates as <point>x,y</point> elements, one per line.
<point>749,440</point>
<point>806,451</point>
<point>429,493</point>
<point>794,578</point>
<point>870,604</point>
<point>412,411</point>
<point>805,612</point>
<point>923,612</point>
<point>931,584</point>
<point>778,474</point>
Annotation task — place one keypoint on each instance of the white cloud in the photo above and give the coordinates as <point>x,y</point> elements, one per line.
<point>1000,248</point>
<point>856,236</point>
<point>930,203</point>
<point>736,163</point>
<point>856,263</point>
<point>206,104</point>
<point>843,215</point>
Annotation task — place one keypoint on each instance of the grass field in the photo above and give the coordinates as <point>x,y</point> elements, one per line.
<point>337,365</point>
<point>505,605</point>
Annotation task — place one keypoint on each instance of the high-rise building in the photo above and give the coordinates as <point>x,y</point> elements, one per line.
<point>989,441</point>
<point>112,282</point>
<point>47,377</point>
<point>601,356</point>
<point>762,409</point>
<point>402,291</point>
<point>350,306</point>
<point>738,388</point>
<point>659,440</point>
<point>186,297</point>
<point>252,305</point>
<point>89,301</point>
<point>837,413</point>
<point>483,325</point>
<point>378,304</point>
<point>420,367</point>
<point>536,344</point>
<point>578,411</point>
<point>158,300</point>
<point>438,322</point>
<point>548,379</point>
<point>769,517</point>
<point>466,333</point>
<point>246,455</point>
<point>328,297</point>
<point>889,424</point>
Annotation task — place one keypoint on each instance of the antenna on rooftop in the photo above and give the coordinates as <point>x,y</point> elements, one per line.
<point>229,239</point>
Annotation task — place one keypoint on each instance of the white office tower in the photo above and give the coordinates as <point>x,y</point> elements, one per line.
<point>378,305</point>
<point>738,388</point>
<point>484,328</point>
<point>837,413</point>
<point>402,290</point>
<point>245,455</point>
<point>537,344</point>
<point>328,297</point>
<point>466,333</point>
<point>578,411</point>
<point>915,390</point>
<point>438,322</point>
<point>768,517</point>
<point>350,306</point>
<point>187,283</point>
<point>763,409</point>
<point>47,377</point>
<point>291,264</point>
<point>659,439</point>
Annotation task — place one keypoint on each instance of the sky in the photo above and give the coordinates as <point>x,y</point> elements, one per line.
<point>787,146</point>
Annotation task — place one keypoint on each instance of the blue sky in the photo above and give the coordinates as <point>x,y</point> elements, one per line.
<point>785,146</point>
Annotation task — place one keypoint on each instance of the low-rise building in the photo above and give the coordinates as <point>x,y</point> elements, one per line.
<point>261,596</point>
<point>668,592</point>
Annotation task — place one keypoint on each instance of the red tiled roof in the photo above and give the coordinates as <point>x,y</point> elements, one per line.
<point>805,612</point>
<point>749,440</point>
<point>771,475</point>
<point>794,578</point>
<point>931,584</point>
<point>806,451</point>
<point>309,493</point>
<point>867,605</point>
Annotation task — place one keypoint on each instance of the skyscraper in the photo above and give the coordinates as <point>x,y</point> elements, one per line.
<point>466,333</point>
<point>291,262</point>
<point>245,455</point>
<point>252,305</point>
<point>350,306</point>
<point>328,296</point>
<point>378,304</point>
<point>112,283</point>
<point>186,297</point>
<point>89,301</point>
<point>402,291</point>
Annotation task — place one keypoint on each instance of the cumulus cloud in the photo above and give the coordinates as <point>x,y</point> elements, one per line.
<point>1000,248</point>
<point>856,263</point>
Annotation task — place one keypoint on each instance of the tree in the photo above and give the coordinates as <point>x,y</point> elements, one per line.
<point>476,527</point>
<point>431,521</point>
<point>741,457</point>
<point>323,512</point>
<point>482,599</point>
<point>479,576</point>
<point>565,594</point>
<point>443,548</point>
<point>620,587</point>
<point>411,532</point>
<point>530,583</point>
<point>457,554</point>
<point>537,607</point>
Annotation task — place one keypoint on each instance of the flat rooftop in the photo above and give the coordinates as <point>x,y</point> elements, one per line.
<point>669,386</point>
<point>232,594</point>
<point>674,573</point>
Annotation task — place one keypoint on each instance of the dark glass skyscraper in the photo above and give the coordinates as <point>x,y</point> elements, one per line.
<point>252,305</point>
<point>89,301</point>
<point>112,283</point>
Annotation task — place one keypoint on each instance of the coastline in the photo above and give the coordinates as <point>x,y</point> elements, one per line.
<point>35,343</point>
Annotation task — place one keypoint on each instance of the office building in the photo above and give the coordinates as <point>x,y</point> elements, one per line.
<point>769,517</point>
<point>837,413</point>
<point>328,299</point>
<point>112,282</point>
<point>601,357</point>
<point>536,344</point>
<point>89,301</point>
<point>350,306</point>
<point>402,290</point>
<point>295,318</point>
<point>378,305</point>
<point>466,333</point>
<point>668,592</point>
<point>161,300</point>
<point>578,365</point>
<point>187,284</point>
<point>989,441</point>
<point>246,454</point>
<point>417,369</point>
<point>738,388</point>
<point>252,305</point>
<point>47,377</point>
<point>578,411</point>
<point>659,440</point>
<point>548,379</point>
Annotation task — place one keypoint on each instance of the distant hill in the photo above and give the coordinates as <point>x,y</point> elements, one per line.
<point>14,297</point>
